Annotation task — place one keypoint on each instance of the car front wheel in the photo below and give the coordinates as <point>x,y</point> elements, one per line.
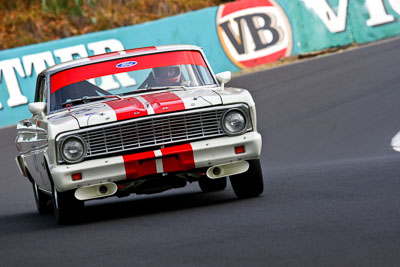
<point>66,207</point>
<point>249,183</point>
<point>42,200</point>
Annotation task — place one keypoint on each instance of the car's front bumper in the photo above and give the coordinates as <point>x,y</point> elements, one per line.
<point>185,157</point>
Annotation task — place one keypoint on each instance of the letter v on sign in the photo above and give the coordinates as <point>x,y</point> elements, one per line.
<point>334,22</point>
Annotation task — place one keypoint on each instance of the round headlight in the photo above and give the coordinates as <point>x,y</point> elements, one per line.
<point>73,149</point>
<point>234,122</point>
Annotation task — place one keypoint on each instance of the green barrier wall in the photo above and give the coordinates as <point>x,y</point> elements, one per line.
<point>363,21</point>
<point>237,35</point>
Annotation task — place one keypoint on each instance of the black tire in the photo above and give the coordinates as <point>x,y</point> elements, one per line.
<point>249,183</point>
<point>43,201</point>
<point>66,207</point>
<point>212,185</point>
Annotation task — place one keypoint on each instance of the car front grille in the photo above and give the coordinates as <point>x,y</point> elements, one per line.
<point>153,131</point>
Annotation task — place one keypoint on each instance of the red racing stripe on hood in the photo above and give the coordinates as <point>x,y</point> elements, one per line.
<point>164,102</point>
<point>127,108</point>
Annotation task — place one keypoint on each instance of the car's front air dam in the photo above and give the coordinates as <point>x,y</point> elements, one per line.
<point>96,191</point>
<point>224,170</point>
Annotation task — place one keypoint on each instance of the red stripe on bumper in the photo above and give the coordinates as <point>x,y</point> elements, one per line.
<point>178,158</point>
<point>140,164</point>
<point>175,159</point>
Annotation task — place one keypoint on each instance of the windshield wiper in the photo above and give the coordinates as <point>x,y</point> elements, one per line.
<point>88,99</point>
<point>160,88</point>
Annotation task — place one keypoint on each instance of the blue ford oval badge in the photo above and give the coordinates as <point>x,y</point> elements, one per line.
<point>126,64</point>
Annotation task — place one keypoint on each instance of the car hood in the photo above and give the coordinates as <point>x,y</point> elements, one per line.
<point>135,106</point>
<point>140,105</point>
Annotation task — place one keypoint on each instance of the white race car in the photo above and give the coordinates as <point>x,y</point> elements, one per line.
<point>137,121</point>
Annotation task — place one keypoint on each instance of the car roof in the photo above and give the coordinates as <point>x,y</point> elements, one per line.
<point>117,55</point>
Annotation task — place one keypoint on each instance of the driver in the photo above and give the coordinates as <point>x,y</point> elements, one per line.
<point>169,75</point>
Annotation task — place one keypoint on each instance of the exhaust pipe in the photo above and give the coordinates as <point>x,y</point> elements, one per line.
<point>224,170</point>
<point>96,191</point>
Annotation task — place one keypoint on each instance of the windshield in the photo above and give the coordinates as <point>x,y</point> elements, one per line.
<point>178,69</point>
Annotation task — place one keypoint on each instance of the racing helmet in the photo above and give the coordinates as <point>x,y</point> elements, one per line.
<point>167,75</point>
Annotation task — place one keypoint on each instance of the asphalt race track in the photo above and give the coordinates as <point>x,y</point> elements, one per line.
<point>332,184</point>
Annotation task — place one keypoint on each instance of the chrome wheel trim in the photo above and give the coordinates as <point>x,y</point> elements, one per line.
<point>36,191</point>
<point>55,198</point>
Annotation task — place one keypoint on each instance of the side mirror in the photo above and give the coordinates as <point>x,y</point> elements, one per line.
<point>224,77</point>
<point>37,108</point>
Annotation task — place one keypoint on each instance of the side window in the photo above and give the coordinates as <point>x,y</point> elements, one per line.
<point>185,73</point>
<point>42,96</point>
<point>205,75</point>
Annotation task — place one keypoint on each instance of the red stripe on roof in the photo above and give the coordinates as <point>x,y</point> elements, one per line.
<point>104,55</point>
<point>78,74</point>
<point>117,53</point>
<point>134,50</point>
